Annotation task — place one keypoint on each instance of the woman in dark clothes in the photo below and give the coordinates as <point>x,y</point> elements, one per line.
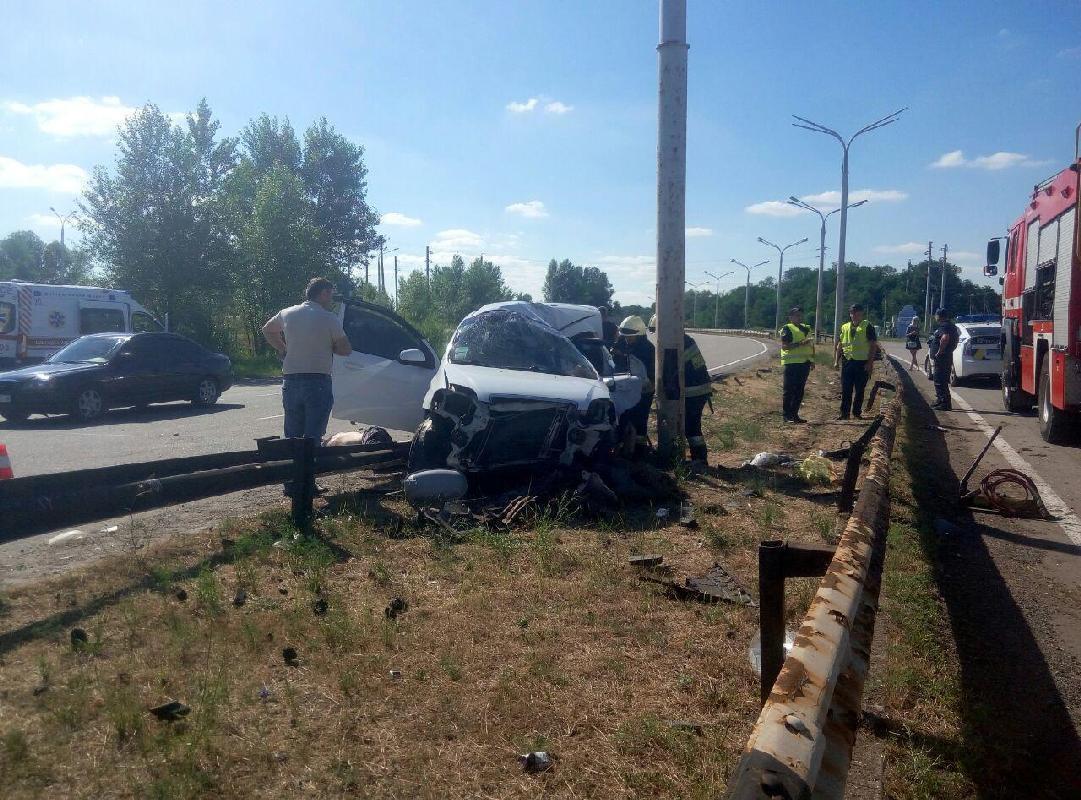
<point>912,342</point>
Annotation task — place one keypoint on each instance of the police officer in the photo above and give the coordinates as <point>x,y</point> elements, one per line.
<point>698,391</point>
<point>797,359</point>
<point>856,348</point>
<point>634,342</point>
<point>945,339</point>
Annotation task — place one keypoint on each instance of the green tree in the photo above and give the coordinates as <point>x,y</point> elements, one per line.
<point>566,282</point>
<point>21,255</point>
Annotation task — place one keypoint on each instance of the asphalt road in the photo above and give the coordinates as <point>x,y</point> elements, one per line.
<point>244,413</point>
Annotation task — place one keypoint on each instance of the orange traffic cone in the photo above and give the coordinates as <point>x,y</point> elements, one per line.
<point>5,464</point>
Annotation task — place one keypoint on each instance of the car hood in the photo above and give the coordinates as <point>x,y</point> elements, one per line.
<point>488,382</point>
<point>29,373</point>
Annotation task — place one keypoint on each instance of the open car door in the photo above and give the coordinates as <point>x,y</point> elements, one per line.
<point>384,381</point>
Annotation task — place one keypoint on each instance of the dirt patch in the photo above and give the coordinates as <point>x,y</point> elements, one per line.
<point>543,638</point>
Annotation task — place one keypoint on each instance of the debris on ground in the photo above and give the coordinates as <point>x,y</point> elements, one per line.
<point>683,726</point>
<point>646,561</point>
<point>78,638</point>
<point>686,515</point>
<point>320,607</point>
<point>815,470</point>
<point>395,607</point>
<point>765,460</point>
<point>67,537</point>
<point>1011,493</point>
<point>662,513</point>
<point>716,585</point>
<point>240,598</point>
<point>289,655</point>
<point>181,595</point>
<point>537,761</point>
<point>171,711</point>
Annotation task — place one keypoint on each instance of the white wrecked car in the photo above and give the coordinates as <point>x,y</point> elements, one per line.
<point>512,389</point>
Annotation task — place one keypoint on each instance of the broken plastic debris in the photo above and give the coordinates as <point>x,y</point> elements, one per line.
<point>395,674</point>
<point>171,711</point>
<point>67,536</point>
<point>240,598</point>
<point>290,656</point>
<point>769,460</point>
<point>110,529</point>
<point>396,606</point>
<point>537,761</point>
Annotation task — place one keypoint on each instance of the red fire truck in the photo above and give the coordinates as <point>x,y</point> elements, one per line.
<point>1041,304</point>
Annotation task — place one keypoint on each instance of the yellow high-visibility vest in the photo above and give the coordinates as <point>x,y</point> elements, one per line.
<point>854,342</point>
<point>798,352</point>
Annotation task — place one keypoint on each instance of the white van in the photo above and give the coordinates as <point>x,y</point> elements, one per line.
<point>37,319</point>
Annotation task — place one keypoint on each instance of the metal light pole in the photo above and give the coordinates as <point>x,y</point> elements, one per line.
<point>795,201</point>
<point>942,289</point>
<point>694,303</point>
<point>780,272</point>
<point>671,223</point>
<point>927,291</point>
<point>817,128</point>
<point>717,307</point>
<point>747,290</point>
<point>63,221</point>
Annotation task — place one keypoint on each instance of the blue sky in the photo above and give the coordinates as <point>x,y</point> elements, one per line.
<point>527,130</point>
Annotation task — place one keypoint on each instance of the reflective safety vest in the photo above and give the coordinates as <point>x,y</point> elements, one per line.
<point>696,381</point>
<point>854,342</point>
<point>802,348</point>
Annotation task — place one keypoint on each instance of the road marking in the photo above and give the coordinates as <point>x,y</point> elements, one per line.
<point>272,416</point>
<point>745,358</point>
<point>1066,518</point>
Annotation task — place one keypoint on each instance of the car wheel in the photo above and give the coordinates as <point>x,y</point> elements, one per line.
<point>206,393</point>
<point>1054,422</point>
<point>431,445</point>
<point>89,404</point>
<point>15,416</point>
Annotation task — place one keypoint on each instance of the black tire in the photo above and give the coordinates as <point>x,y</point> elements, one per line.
<point>88,404</point>
<point>1055,424</point>
<point>206,393</point>
<point>431,445</point>
<point>1014,399</point>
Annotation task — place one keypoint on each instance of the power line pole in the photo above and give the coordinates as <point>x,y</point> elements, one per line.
<point>427,263</point>
<point>817,128</point>
<point>671,224</point>
<point>927,291</point>
<point>942,288</point>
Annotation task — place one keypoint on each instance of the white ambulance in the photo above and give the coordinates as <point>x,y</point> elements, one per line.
<point>38,319</point>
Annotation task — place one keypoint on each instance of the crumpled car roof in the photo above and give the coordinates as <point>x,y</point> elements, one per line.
<point>565,318</point>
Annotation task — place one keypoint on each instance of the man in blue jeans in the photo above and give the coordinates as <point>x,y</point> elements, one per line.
<point>307,337</point>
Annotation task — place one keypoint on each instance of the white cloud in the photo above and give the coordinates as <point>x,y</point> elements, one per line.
<point>832,199</point>
<point>48,221</point>
<point>76,116</point>
<point>775,208</point>
<point>67,178</point>
<point>522,108</point>
<point>954,158</point>
<point>401,220</point>
<point>995,161</point>
<point>908,248</point>
<point>696,231</point>
<point>530,209</point>
<point>455,239</point>
<point>533,103</point>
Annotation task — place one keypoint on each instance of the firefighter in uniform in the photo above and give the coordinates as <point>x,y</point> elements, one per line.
<point>797,360</point>
<point>698,391</point>
<point>634,342</point>
<point>856,347</point>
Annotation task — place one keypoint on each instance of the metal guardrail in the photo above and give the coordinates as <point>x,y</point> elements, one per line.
<point>40,503</point>
<point>801,746</point>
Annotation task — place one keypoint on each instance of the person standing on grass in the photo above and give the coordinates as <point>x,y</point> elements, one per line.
<point>633,341</point>
<point>855,353</point>
<point>797,360</point>
<point>912,342</point>
<point>945,336</point>
<point>307,337</point>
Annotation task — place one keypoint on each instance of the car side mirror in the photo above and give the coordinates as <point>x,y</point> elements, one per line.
<point>412,357</point>
<point>990,270</point>
<point>993,248</point>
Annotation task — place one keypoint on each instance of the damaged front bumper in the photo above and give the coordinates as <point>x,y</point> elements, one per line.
<point>512,431</point>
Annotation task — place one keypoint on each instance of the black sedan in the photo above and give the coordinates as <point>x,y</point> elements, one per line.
<point>114,370</point>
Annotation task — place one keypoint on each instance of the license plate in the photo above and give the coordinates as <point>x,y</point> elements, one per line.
<point>5,398</point>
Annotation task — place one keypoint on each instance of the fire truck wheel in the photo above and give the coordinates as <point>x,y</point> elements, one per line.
<point>1054,422</point>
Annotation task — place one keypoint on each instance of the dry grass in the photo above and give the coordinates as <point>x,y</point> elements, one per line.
<point>539,639</point>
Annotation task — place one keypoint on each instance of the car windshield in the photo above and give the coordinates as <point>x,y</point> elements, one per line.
<point>88,350</point>
<point>507,340</point>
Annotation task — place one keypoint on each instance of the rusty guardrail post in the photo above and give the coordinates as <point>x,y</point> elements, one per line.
<point>801,743</point>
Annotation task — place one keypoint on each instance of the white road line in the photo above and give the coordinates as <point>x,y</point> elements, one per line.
<point>272,416</point>
<point>1066,518</point>
<point>745,358</point>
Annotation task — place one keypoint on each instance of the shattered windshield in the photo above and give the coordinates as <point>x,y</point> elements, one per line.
<point>507,340</point>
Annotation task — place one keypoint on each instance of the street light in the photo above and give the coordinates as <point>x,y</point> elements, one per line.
<point>747,291</point>
<point>717,308</point>
<point>63,221</point>
<point>694,303</point>
<point>795,201</point>
<point>780,270</point>
<point>817,128</point>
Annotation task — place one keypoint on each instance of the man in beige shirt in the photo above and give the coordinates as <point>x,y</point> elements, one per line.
<point>307,337</point>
